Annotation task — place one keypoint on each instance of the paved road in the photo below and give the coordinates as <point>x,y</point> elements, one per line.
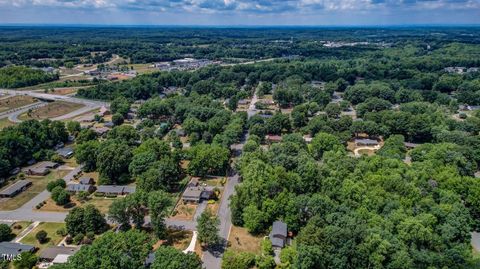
<point>27,213</point>
<point>213,259</point>
<point>13,114</point>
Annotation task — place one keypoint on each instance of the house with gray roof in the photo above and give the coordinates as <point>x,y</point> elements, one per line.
<point>15,188</point>
<point>50,253</point>
<point>68,178</point>
<point>86,180</point>
<point>278,235</point>
<point>115,189</point>
<point>11,250</point>
<point>366,142</point>
<point>80,187</point>
<point>65,152</point>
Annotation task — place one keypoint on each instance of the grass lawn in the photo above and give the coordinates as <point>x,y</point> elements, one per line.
<point>16,101</point>
<point>19,226</point>
<point>101,203</point>
<point>39,185</point>
<point>242,241</point>
<point>52,240</point>
<point>5,123</point>
<point>51,110</point>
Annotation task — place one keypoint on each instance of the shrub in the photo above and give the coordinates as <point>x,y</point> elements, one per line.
<point>90,235</point>
<point>41,236</point>
<point>69,240</point>
<point>62,232</point>
<point>78,239</point>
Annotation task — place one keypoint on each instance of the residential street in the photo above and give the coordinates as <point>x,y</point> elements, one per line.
<point>213,259</point>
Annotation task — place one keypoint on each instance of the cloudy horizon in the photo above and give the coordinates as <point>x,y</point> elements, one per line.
<point>240,12</point>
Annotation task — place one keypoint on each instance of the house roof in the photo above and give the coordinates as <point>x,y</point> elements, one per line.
<point>273,137</point>
<point>15,187</point>
<point>116,189</point>
<point>277,242</point>
<point>366,141</point>
<point>10,248</point>
<point>66,151</point>
<point>192,193</point>
<point>85,180</point>
<point>79,187</point>
<point>72,174</point>
<point>279,228</point>
<point>52,252</point>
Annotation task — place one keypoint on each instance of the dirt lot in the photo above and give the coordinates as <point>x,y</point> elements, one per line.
<point>51,110</point>
<point>16,101</point>
<point>242,241</point>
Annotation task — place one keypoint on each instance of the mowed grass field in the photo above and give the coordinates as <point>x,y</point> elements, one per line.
<point>51,110</point>
<point>39,185</point>
<point>15,102</point>
<point>53,238</point>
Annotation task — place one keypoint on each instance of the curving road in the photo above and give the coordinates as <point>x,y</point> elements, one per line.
<point>13,114</point>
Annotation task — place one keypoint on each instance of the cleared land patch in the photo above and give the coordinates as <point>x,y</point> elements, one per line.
<point>16,102</point>
<point>52,110</point>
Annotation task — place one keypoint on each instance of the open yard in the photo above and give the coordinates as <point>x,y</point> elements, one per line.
<point>15,102</point>
<point>19,226</point>
<point>242,241</point>
<point>101,203</point>
<point>179,239</point>
<point>39,185</point>
<point>52,239</point>
<point>51,110</point>
<point>184,211</point>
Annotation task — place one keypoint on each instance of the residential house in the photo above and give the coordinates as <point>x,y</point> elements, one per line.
<point>197,194</point>
<point>278,235</point>
<point>85,180</point>
<point>66,152</point>
<point>41,168</point>
<point>365,142</point>
<point>115,189</point>
<point>100,131</point>
<point>51,253</point>
<point>10,250</point>
<point>80,187</point>
<point>72,174</point>
<point>104,111</point>
<point>193,182</point>
<point>410,145</point>
<point>15,189</point>
<point>273,138</point>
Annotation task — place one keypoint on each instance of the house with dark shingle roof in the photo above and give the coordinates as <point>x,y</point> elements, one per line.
<point>80,187</point>
<point>11,250</point>
<point>278,235</point>
<point>115,189</point>
<point>15,188</point>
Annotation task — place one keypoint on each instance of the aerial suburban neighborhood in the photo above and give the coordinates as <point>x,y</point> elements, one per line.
<point>240,134</point>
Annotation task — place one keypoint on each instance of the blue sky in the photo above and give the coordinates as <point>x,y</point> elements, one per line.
<point>240,12</point>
